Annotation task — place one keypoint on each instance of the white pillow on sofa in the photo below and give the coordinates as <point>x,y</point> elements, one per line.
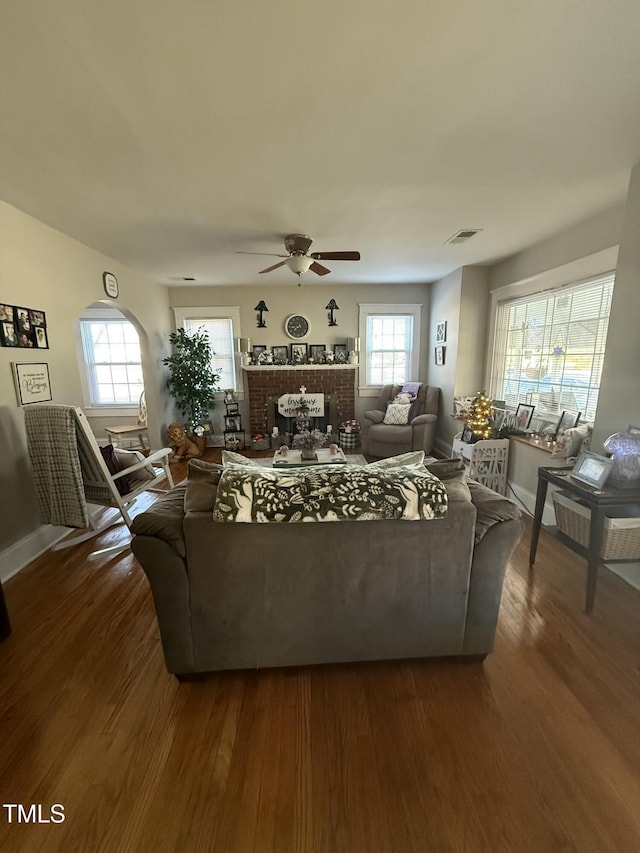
<point>397,413</point>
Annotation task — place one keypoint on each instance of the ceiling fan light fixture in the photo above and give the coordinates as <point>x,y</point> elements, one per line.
<point>299,264</point>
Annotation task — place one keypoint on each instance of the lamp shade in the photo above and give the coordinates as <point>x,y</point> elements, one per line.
<point>353,344</point>
<point>244,344</point>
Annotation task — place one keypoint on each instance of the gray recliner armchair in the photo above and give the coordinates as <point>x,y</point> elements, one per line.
<point>380,439</point>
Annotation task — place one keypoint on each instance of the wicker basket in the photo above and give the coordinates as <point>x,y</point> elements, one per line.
<point>621,539</point>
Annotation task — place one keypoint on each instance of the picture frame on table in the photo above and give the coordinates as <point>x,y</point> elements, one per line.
<point>439,355</point>
<point>592,469</point>
<point>467,435</point>
<point>497,419</point>
<point>441,332</point>
<point>316,352</point>
<point>256,351</point>
<point>298,353</point>
<point>524,413</point>
<point>280,354</point>
<point>567,420</point>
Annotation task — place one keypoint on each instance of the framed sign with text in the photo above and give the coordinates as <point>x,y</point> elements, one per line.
<point>32,382</point>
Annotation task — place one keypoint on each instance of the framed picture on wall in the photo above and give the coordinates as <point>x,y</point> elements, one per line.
<point>440,356</point>
<point>32,382</point>
<point>441,332</point>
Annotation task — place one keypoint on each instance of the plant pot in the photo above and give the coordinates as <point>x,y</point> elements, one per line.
<point>308,453</point>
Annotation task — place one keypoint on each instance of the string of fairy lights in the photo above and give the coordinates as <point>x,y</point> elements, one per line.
<point>479,417</point>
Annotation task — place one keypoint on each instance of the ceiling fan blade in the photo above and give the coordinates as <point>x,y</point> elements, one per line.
<point>318,269</point>
<point>274,267</point>
<point>270,254</point>
<point>336,256</point>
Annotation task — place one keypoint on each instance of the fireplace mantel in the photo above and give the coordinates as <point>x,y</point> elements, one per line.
<point>284,368</point>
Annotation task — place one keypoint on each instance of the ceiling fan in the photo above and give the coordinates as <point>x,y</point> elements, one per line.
<point>297,259</point>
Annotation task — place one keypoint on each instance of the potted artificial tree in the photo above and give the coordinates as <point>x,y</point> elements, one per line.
<point>192,383</point>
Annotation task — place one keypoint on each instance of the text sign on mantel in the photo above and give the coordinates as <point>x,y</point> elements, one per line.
<point>288,404</point>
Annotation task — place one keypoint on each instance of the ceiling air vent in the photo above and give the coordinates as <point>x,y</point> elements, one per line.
<point>181,278</point>
<point>462,236</point>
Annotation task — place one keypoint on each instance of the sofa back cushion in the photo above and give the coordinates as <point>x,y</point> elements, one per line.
<point>327,494</point>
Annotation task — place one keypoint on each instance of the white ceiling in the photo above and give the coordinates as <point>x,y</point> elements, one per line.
<point>169,135</point>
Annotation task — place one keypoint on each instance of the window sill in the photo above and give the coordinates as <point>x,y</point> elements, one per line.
<point>122,411</point>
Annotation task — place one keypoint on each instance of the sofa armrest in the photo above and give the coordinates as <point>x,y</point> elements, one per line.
<point>375,416</point>
<point>490,559</point>
<point>166,572</point>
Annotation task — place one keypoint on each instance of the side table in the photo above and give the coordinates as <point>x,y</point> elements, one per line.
<point>486,461</point>
<point>604,502</point>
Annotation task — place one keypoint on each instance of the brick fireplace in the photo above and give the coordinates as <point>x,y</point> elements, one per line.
<point>265,382</point>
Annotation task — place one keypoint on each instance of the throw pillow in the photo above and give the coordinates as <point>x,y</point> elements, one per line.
<point>114,467</point>
<point>164,519</point>
<point>127,458</point>
<point>231,458</point>
<point>571,441</point>
<point>445,469</point>
<point>202,486</point>
<point>491,508</point>
<point>396,414</point>
<point>412,459</point>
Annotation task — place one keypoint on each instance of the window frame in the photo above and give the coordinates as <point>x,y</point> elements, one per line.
<point>395,309</point>
<point>86,382</point>
<point>221,312</point>
<point>553,283</point>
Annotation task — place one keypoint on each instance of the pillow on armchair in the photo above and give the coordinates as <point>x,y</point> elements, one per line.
<point>397,413</point>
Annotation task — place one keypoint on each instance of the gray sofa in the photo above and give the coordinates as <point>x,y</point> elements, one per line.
<point>383,440</point>
<point>235,596</point>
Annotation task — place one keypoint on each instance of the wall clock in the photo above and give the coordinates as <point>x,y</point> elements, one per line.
<point>297,326</point>
<point>110,283</point>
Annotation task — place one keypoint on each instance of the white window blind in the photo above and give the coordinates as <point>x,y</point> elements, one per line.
<point>220,332</point>
<point>549,348</point>
<point>112,360</point>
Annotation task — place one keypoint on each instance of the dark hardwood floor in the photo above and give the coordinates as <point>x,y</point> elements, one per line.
<point>537,749</point>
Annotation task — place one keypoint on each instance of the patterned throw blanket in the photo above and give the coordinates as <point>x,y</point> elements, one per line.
<point>328,494</point>
<point>51,443</point>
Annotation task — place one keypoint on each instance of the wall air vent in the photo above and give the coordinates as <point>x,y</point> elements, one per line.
<point>462,236</point>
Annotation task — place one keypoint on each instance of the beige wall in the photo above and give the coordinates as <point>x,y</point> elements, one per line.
<point>446,295</point>
<point>309,299</point>
<point>619,400</point>
<point>44,269</point>
<point>462,299</point>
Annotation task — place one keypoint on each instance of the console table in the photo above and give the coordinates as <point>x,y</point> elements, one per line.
<point>604,502</point>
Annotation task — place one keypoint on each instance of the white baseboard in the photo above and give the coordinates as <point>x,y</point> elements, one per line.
<point>21,553</point>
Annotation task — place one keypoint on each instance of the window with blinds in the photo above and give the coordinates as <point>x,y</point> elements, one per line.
<point>220,332</point>
<point>549,348</point>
